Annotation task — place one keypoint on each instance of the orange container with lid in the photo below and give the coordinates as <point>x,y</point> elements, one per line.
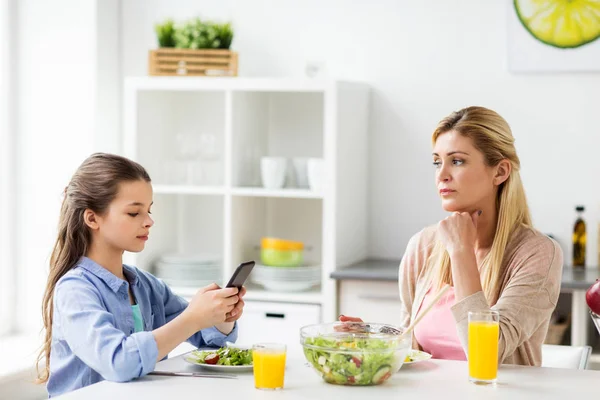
<point>281,253</point>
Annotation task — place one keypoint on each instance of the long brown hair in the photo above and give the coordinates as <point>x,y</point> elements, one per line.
<point>492,136</point>
<point>93,186</point>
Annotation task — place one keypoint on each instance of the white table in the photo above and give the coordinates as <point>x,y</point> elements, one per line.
<point>425,380</point>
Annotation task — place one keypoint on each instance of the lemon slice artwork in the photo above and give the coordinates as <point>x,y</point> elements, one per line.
<point>561,23</point>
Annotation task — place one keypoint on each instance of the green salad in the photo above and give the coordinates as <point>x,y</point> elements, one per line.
<point>223,356</point>
<point>379,360</point>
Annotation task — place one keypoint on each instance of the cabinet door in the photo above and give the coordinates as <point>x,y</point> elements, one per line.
<point>370,300</point>
<point>276,322</point>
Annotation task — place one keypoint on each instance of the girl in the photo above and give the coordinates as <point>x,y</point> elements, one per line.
<point>487,249</point>
<point>106,320</point>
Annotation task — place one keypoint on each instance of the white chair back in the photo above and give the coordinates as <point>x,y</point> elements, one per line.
<point>571,357</point>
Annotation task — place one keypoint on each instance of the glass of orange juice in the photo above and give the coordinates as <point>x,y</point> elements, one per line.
<point>269,365</point>
<point>483,347</point>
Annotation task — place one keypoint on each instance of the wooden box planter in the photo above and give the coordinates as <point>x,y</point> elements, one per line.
<point>192,62</point>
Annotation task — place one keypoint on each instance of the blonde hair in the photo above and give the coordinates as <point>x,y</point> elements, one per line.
<point>492,136</point>
<point>93,186</point>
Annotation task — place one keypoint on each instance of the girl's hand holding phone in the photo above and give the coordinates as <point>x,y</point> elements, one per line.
<point>237,311</point>
<point>211,305</point>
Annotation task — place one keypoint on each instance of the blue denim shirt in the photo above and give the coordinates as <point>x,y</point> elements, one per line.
<point>93,334</point>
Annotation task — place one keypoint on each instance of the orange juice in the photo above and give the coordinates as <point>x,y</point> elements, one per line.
<point>483,350</point>
<point>269,367</point>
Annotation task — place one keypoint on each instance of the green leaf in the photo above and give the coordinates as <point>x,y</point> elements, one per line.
<point>164,33</point>
<point>194,34</point>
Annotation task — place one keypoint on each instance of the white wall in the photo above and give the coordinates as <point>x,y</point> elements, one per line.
<point>423,59</point>
<point>7,283</point>
<point>108,75</point>
<point>59,92</point>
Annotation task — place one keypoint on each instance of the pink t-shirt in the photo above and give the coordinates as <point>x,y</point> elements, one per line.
<point>437,333</point>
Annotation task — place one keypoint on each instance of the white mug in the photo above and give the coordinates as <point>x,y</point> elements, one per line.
<point>316,174</point>
<point>272,171</point>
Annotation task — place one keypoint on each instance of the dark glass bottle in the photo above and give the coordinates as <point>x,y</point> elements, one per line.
<point>579,239</point>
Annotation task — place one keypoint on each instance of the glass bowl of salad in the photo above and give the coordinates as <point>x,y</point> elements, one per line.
<point>354,353</point>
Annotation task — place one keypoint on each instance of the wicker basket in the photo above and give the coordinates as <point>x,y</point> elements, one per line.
<point>190,62</point>
<point>556,331</point>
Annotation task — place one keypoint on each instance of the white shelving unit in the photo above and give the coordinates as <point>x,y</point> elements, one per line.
<point>249,118</point>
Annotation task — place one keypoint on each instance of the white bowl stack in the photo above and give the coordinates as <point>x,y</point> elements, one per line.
<point>286,279</point>
<point>189,270</point>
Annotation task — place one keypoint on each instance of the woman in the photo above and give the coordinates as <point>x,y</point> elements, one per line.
<point>487,249</point>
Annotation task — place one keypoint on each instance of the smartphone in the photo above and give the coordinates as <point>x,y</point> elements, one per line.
<point>240,274</point>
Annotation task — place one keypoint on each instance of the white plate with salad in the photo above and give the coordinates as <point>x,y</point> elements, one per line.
<point>225,359</point>
<point>415,356</point>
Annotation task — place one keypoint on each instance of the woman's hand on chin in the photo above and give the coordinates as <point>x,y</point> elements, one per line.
<point>458,232</point>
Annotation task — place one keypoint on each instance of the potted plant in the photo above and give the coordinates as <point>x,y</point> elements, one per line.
<point>194,47</point>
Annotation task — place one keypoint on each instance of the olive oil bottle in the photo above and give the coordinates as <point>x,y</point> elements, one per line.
<point>579,239</point>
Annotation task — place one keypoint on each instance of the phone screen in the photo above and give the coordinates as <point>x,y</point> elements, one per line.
<point>240,274</point>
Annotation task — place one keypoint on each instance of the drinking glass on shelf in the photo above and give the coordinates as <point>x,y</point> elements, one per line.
<point>175,172</point>
<point>248,173</point>
<point>301,171</point>
<point>186,146</point>
<point>199,158</point>
<point>210,159</point>
<point>316,174</point>
<point>181,169</point>
<point>195,173</point>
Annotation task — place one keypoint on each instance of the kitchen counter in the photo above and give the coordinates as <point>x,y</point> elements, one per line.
<point>370,269</point>
<point>574,281</point>
<point>425,380</point>
<point>579,279</point>
<point>387,270</point>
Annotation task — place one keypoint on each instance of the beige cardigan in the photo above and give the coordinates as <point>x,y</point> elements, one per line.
<point>528,294</point>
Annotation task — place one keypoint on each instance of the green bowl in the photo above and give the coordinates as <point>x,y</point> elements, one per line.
<point>281,258</point>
